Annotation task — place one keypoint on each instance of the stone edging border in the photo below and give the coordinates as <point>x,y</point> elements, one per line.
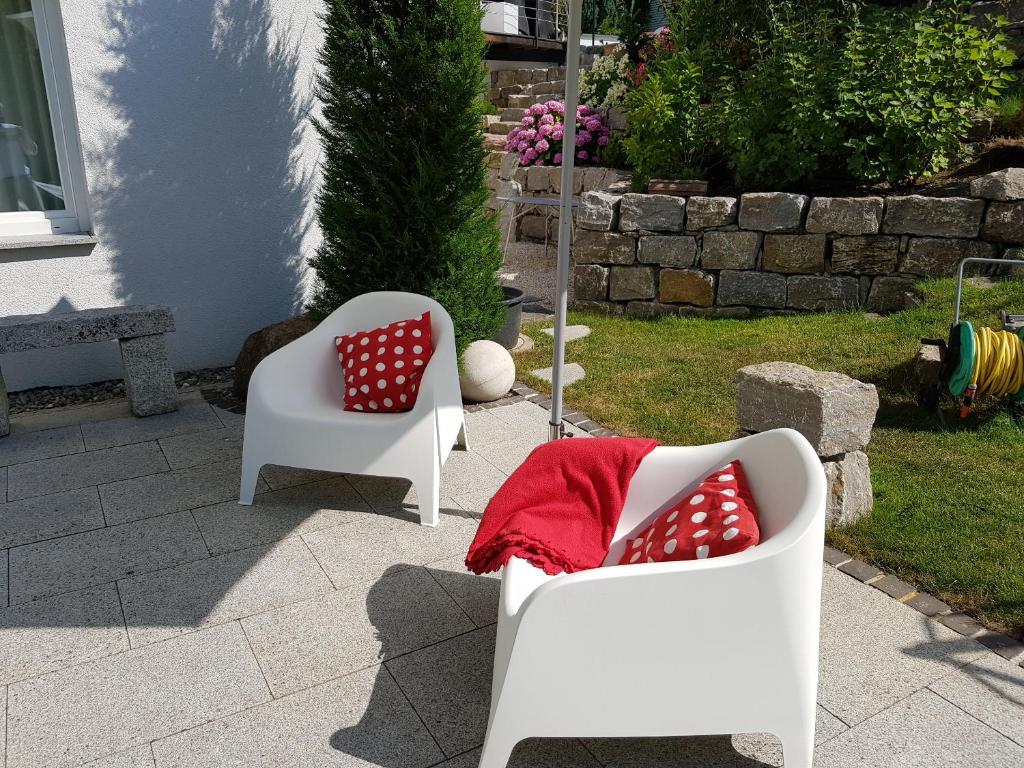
<point>1005,646</point>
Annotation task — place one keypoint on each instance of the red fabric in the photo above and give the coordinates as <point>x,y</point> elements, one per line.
<point>559,509</point>
<point>383,366</point>
<point>719,518</point>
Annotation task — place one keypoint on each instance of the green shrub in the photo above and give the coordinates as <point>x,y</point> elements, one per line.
<point>402,203</point>
<point>912,80</point>
<point>607,81</point>
<point>1008,114</point>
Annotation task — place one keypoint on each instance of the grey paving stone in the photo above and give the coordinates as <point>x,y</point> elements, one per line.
<point>102,707</point>
<point>307,643</point>
<point>46,517</point>
<point>876,651</point>
<point>449,685</point>
<point>207,447</point>
<point>835,557</point>
<point>287,477</point>
<point>572,373</point>
<point>860,570</point>
<point>991,689</point>
<point>395,495</point>
<point>229,418</point>
<point>4,570</point>
<point>535,753</point>
<point>193,415</point>
<point>174,491</point>
<point>962,624</point>
<point>476,595</point>
<point>137,757</point>
<point>3,725</point>
<point>926,604</point>
<point>923,731</point>
<point>359,720</point>
<point>107,554</point>
<point>1003,645</point>
<point>3,484</point>
<point>167,603</point>
<point>276,515</point>
<point>364,550</point>
<point>572,332</point>
<point>744,750</point>
<point>46,476</point>
<point>893,587</point>
<point>21,446</point>
<point>46,635</point>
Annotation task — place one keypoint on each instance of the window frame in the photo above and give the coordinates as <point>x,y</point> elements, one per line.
<point>56,66</point>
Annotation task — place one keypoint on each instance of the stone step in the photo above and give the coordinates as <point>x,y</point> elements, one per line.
<point>521,101</point>
<point>550,89</point>
<point>502,128</point>
<point>494,143</point>
<point>510,114</point>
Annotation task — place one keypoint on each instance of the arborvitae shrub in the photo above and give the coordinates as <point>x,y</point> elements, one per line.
<point>402,203</point>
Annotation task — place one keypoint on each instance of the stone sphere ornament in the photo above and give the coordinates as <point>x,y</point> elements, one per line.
<point>488,372</point>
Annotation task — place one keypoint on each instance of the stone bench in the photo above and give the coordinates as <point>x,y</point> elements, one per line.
<point>140,330</point>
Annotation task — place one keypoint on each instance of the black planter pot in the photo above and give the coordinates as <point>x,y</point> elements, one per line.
<point>508,337</point>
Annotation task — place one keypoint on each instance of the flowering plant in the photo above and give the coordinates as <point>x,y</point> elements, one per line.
<point>605,84</point>
<point>538,139</point>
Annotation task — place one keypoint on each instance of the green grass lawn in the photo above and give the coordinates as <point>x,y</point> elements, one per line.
<point>949,495</point>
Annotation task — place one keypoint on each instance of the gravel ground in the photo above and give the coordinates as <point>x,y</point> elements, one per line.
<point>42,398</point>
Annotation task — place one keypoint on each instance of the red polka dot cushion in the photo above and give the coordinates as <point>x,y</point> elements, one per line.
<point>383,367</point>
<point>719,518</point>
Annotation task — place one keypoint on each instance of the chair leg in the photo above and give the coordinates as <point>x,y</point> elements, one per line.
<point>428,489</point>
<point>463,438</point>
<point>250,475</point>
<point>798,747</point>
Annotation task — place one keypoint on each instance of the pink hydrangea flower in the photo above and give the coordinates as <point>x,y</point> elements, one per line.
<point>558,158</point>
<point>542,145</point>
<point>582,154</point>
<point>547,119</point>
<point>583,138</point>
<point>602,140</point>
<point>537,109</point>
<point>527,120</point>
<point>545,130</point>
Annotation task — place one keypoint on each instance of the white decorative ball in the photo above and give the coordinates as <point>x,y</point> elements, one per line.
<point>488,372</point>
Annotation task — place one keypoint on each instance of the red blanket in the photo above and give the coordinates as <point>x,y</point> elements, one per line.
<point>559,510</point>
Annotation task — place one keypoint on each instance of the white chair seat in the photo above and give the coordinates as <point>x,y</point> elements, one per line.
<point>295,409</point>
<point>700,647</point>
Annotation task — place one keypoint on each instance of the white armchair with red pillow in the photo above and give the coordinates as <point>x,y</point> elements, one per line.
<point>372,390</point>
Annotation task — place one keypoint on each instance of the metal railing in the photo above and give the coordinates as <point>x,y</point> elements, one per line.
<point>535,19</point>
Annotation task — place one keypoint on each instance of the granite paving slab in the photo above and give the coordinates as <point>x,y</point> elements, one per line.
<point>103,707</point>
<point>991,689</point>
<point>3,725</point>
<point>167,603</point>
<point>278,477</point>
<point>47,517</point>
<point>449,685</point>
<point>571,373</point>
<point>476,595</point>
<point>46,476</point>
<point>535,753</point>
<point>470,480</point>
<point>307,643</point>
<point>207,447</point>
<point>923,731</point>
<point>572,332</point>
<point>21,446</point>
<point>391,495</point>
<point>49,634</point>
<point>358,720</point>
<point>364,550</point>
<point>107,554</point>
<point>193,415</point>
<point>4,571</point>
<point>174,491</point>
<point>3,483</point>
<point>138,757</point>
<point>876,651</point>
<point>229,418</point>
<point>278,514</point>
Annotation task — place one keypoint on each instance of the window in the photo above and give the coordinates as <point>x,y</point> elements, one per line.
<point>42,178</point>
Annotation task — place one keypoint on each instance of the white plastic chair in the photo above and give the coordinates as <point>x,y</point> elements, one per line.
<point>703,647</point>
<point>295,415</point>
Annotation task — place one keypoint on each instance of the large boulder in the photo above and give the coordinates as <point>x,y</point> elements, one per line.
<point>834,412</point>
<point>261,343</point>
<point>1007,184</point>
<point>850,496</point>
<point>652,213</point>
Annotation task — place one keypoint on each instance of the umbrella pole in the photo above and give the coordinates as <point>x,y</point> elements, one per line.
<point>572,76</point>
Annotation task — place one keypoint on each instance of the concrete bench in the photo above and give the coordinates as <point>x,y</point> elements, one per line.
<point>140,331</point>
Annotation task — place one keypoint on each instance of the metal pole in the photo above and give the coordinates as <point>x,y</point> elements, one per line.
<point>959,280</point>
<point>572,77</point>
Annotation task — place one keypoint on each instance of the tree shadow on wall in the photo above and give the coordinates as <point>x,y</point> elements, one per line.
<point>200,187</point>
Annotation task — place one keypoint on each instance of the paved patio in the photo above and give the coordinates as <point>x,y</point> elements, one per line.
<point>151,621</point>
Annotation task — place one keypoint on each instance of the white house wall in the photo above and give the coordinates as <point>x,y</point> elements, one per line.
<point>200,162</point>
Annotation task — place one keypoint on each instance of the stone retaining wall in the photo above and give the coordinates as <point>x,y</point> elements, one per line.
<point>774,252</point>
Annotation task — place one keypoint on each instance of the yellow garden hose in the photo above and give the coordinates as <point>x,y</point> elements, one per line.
<point>998,363</point>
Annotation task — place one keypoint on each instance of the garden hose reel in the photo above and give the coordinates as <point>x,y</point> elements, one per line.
<point>983,361</point>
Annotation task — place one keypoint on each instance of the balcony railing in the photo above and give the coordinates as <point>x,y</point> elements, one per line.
<point>533,19</point>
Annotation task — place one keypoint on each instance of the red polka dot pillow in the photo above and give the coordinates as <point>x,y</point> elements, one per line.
<point>383,367</point>
<point>719,518</point>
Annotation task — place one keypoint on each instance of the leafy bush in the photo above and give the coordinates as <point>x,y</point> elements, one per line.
<point>402,203</point>
<point>539,138</point>
<point>782,91</point>
<point>605,84</point>
<point>913,79</point>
